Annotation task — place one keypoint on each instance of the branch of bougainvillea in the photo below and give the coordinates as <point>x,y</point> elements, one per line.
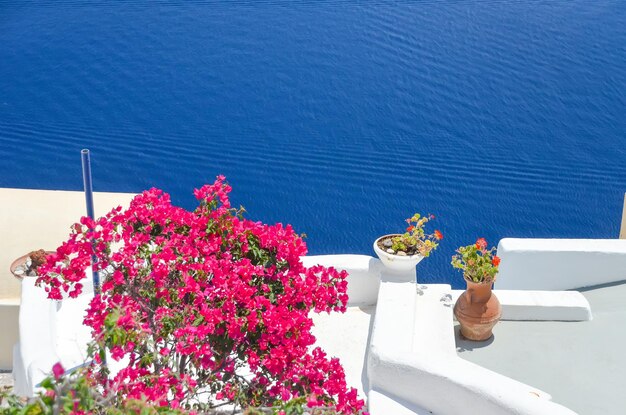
<point>182,363</point>
<point>146,305</point>
<point>219,405</point>
<point>109,396</point>
<point>156,362</point>
<point>224,362</point>
<point>59,390</point>
<point>243,378</point>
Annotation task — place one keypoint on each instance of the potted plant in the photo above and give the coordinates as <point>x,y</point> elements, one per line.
<point>401,252</point>
<point>26,265</point>
<point>477,309</point>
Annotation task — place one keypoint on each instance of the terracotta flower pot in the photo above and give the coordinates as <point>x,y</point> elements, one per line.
<point>477,311</point>
<point>16,266</point>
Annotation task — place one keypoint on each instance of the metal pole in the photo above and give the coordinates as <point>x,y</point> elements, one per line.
<point>622,233</point>
<point>84,155</point>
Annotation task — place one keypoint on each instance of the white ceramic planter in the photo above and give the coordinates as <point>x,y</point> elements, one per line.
<point>396,262</point>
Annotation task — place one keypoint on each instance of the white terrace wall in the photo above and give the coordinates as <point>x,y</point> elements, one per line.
<point>413,366</point>
<point>363,275</point>
<point>560,264</point>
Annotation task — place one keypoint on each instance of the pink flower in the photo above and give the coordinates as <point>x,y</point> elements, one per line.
<point>312,401</point>
<point>481,243</point>
<point>57,370</point>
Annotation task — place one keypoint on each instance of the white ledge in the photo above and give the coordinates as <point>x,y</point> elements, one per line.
<point>560,264</point>
<point>363,275</point>
<point>541,305</point>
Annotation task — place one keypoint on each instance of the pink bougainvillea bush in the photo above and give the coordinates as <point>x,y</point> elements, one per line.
<point>204,307</point>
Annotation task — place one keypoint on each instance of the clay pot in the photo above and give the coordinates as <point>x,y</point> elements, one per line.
<point>477,310</point>
<point>16,266</point>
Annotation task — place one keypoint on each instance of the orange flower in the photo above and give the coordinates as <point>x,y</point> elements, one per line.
<point>481,243</point>
<point>495,260</point>
<point>410,228</point>
<point>438,234</point>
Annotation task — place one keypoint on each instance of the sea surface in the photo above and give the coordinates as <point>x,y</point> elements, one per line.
<point>343,118</point>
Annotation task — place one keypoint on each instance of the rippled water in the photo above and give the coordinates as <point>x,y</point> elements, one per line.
<point>503,118</point>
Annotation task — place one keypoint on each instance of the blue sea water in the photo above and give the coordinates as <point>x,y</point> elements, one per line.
<point>503,118</point>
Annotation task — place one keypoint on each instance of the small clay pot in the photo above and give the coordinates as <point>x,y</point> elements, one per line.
<point>477,311</point>
<point>16,265</point>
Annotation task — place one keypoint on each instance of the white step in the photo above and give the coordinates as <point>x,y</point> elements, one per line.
<point>433,329</point>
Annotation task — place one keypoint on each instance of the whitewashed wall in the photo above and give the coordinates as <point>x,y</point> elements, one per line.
<point>560,264</point>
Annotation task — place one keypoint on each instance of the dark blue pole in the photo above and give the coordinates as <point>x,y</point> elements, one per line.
<point>84,155</point>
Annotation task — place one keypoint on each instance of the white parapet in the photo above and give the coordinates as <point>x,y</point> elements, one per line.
<point>346,336</point>
<point>363,275</point>
<point>413,367</point>
<point>560,264</point>
<point>50,331</point>
<point>9,311</point>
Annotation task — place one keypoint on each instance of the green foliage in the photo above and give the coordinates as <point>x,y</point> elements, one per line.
<point>415,240</point>
<point>478,263</point>
<point>77,394</point>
